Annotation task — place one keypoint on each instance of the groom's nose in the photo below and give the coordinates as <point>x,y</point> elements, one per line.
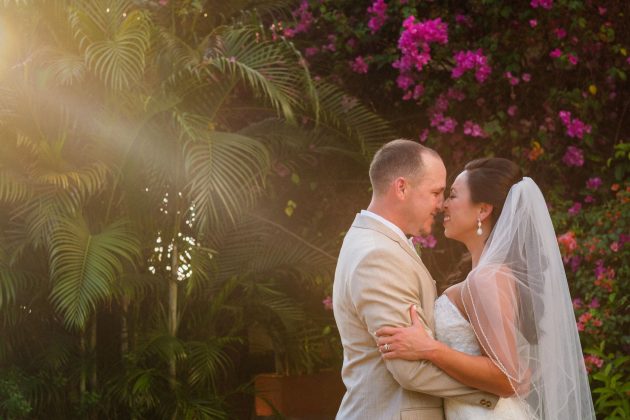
<point>440,203</point>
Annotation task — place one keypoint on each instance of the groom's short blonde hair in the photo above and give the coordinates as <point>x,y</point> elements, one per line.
<point>397,158</point>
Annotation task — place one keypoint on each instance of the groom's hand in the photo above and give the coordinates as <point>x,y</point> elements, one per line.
<point>410,343</point>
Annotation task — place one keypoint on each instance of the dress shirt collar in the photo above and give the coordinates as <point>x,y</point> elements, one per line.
<point>386,223</point>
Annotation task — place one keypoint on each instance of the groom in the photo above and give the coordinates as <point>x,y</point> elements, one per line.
<point>379,276</point>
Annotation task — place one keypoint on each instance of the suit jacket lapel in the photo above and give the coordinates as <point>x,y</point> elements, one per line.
<point>365,222</point>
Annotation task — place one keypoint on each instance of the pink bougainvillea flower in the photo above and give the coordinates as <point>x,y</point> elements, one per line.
<point>424,135</point>
<point>304,20</point>
<point>573,156</point>
<point>513,80</point>
<point>463,20</point>
<point>526,77</point>
<point>415,47</point>
<point>471,60</point>
<point>311,51</point>
<point>328,303</point>
<point>573,59</point>
<point>545,4</point>
<point>425,241</point>
<point>378,15</point>
<point>358,65</point>
<point>560,33</point>
<point>575,127</point>
<point>533,23</point>
<point>512,109</point>
<point>473,130</point>
<point>594,183</point>
<point>556,53</point>
<point>575,209</point>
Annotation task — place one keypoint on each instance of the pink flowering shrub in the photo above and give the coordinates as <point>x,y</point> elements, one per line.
<point>542,82</point>
<point>378,15</point>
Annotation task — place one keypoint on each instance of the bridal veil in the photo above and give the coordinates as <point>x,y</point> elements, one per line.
<point>517,300</point>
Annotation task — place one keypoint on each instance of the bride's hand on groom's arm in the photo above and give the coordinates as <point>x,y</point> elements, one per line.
<point>408,343</point>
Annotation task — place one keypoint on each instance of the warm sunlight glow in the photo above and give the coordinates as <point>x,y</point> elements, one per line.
<point>7,45</point>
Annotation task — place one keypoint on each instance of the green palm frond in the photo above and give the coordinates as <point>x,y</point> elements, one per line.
<point>265,297</point>
<point>37,215</point>
<point>67,68</point>
<point>203,407</point>
<point>164,346</point>
<point>115,45</point>
<point>208,360</point>
<point>85,181</point>
<point>262,248</point>
<point>12,279</point>
<point>139,388</point>
<point>272,70</point>
<point>83,266</point>
<point>226,171</point>
<point>346,117</point>
<point>13,187</point>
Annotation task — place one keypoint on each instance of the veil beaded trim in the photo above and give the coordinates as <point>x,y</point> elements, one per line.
<point>518,303</point>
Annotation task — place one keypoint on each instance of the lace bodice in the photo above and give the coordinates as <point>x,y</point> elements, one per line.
<point>452,329</point>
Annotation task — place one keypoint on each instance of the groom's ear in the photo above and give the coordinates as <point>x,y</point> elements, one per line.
<point>400,187</point>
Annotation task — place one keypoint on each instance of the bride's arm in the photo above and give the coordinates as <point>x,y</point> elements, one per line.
<point>413,343</point>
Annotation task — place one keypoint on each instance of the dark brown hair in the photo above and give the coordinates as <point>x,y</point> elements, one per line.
<point>490,180</point>
<point>395,159</point>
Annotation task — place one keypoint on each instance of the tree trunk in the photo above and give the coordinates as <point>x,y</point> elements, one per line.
<point>172,308</point>
<point>83,378</point>
<point>124,327</point>
<point>93,413</point>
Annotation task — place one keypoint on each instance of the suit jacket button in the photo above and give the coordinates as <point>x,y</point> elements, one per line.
<point>482,402</point>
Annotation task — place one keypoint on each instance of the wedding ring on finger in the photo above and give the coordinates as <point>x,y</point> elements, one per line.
<point>386,348</point>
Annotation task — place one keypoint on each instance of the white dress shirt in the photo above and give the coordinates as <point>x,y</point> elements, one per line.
<point>389,225</point>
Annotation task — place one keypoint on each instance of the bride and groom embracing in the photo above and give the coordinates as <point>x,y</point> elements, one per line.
<point>506,344</point>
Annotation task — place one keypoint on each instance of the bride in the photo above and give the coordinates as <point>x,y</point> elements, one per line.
<point>509,327</point>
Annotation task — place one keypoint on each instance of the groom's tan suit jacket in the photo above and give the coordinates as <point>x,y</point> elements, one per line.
<point>378,277</point>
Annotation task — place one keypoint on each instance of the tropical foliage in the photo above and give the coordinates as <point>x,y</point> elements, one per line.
<point>176,178</point>
<point>141,263</point>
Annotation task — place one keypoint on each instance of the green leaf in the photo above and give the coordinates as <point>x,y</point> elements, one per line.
<point>226,171</point>
<point>83,266</point>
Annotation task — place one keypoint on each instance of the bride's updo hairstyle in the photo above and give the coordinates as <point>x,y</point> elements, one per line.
<point>489,181</point>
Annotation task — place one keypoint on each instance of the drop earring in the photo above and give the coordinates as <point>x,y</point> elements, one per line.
<point>479,230</point>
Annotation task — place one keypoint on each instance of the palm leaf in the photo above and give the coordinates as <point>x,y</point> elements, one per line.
<point>272,70</point>
<point>261,248</point>
<point>209,359</point>
<point>115,48</point>
<point>347,118</point>
<point>13,187</point>
<point>12,279</point>
<point>225,172</point>
<point>84,265</point>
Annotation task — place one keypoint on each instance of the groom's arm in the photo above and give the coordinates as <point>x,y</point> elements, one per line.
<point>382,291</point>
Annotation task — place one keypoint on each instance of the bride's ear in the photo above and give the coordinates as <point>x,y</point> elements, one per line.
<point>485,210</point>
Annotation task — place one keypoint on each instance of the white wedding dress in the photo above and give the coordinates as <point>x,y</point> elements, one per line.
<point>452,329</point>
